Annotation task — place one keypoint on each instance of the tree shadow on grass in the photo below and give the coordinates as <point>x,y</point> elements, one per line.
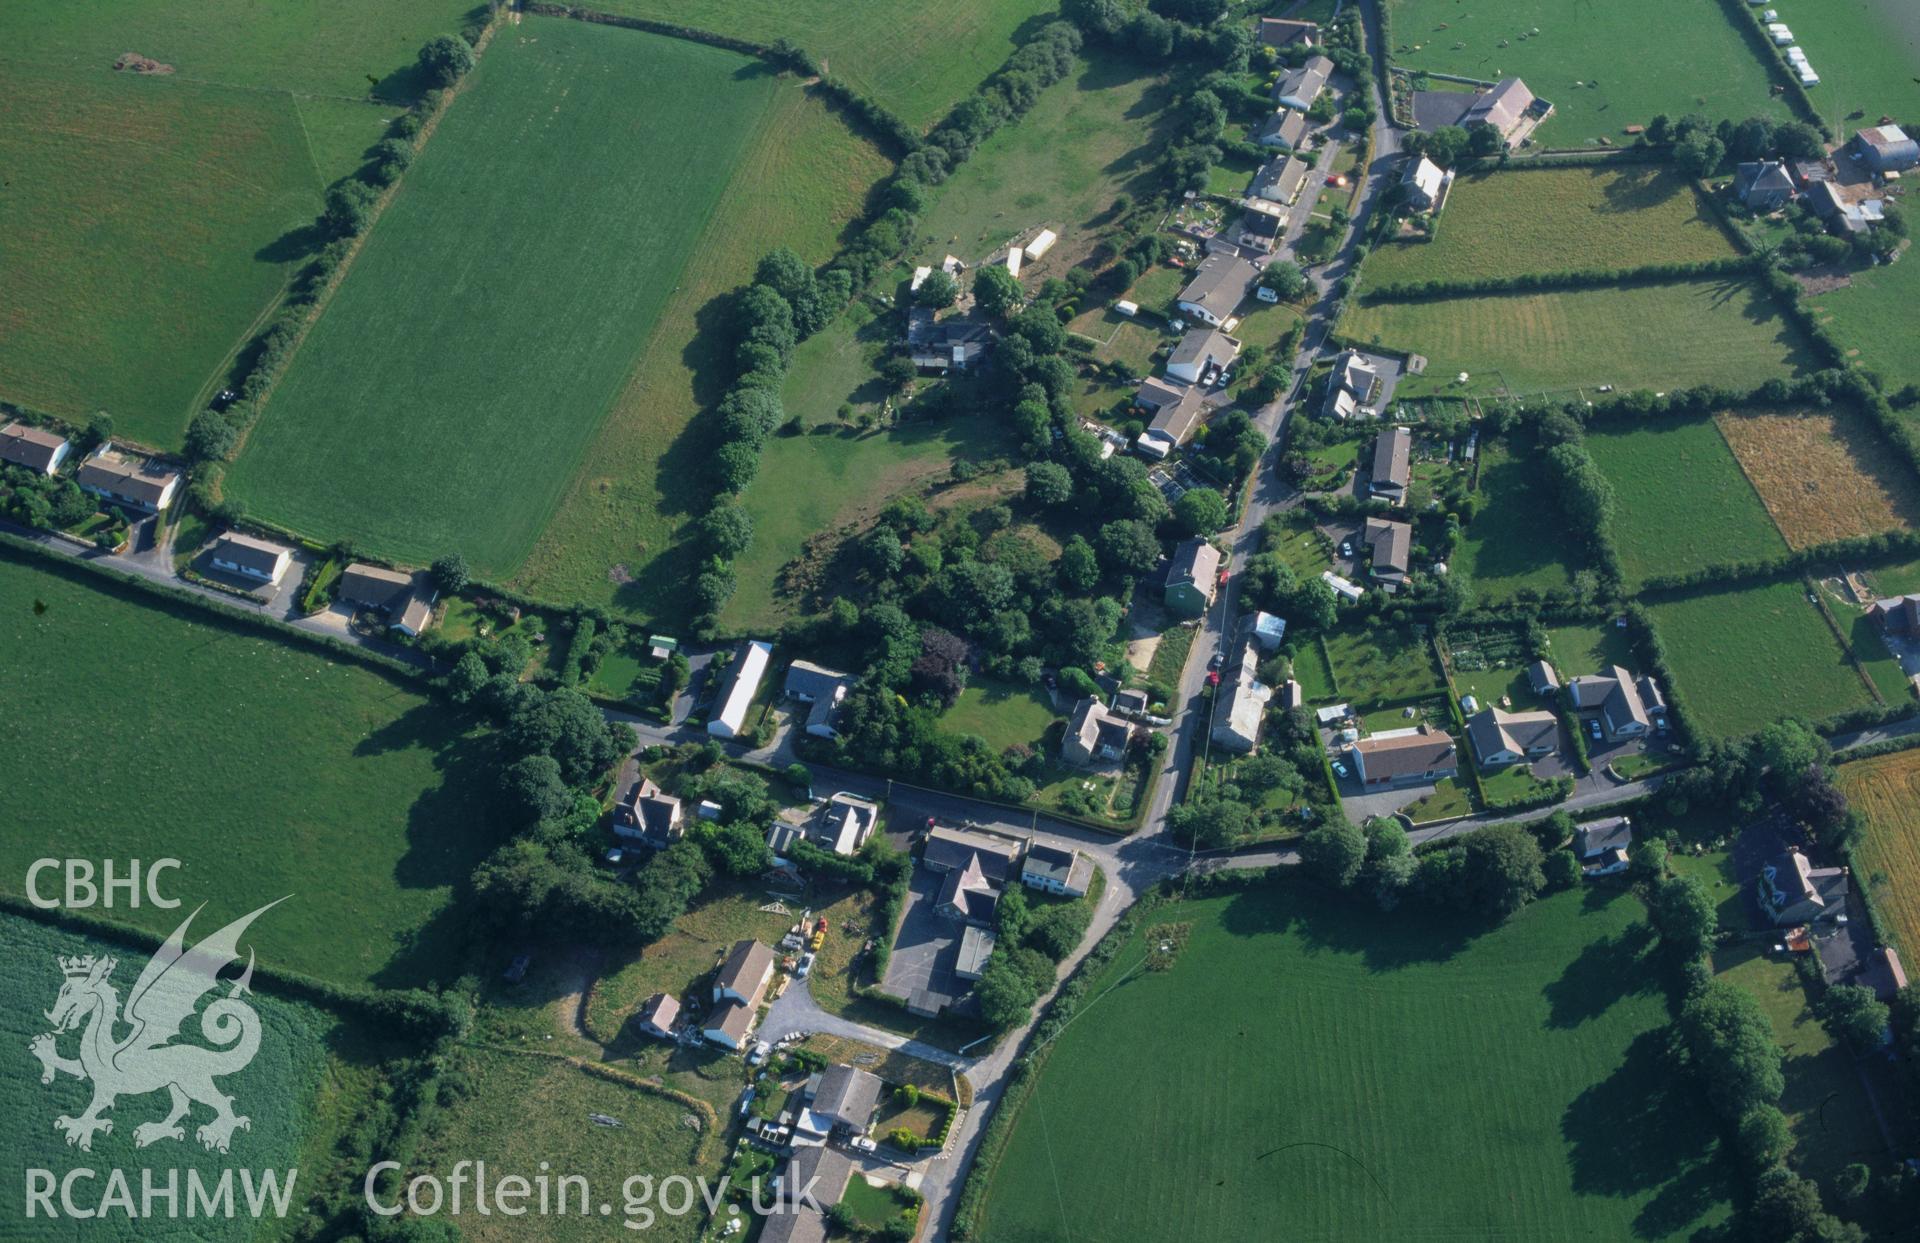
<point>1350,925</point>
<point>1606,971</point>
<point>1643,1129</point>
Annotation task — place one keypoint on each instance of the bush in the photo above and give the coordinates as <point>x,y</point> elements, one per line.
<point>445,59</point>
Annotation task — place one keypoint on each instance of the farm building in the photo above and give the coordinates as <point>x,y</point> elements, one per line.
<point>729,717</point>
<point>1392,472</point>
<point>1095,735</point>
<point>1886,149</point>
<point>1419,758</point>
<point>1240,702</point>
<point>1510,108</point>
<point>646,815</point>
<point>1391,546</point>
<point>1279,181</point>
<point>1764,185</point>
<point>1298,88</point>
<point>1192,577</point>
<point>998,854</point>
<point>846,1097</point>
<point>967,896</point>
<point>657,1015</point>
<point>1217,288</point>
<point>1853,212</point>
<point>1286,129</point>
<point>1042,242</point>
<point>1503,738</point>
<point>1619,699</point>
<point>408,605</point>
<point>1282,32</point>
<point>35,448</point>
<point>743,974</point>
<point>1173,421</point>
<point>976,948</point>
<point>1425,183</point>
<point>1199,351</point>
<point>1057,869</point>
<point>128,479</point>
<point>1793,891</point>
<point>1897,615</point>
<point>257,559</point>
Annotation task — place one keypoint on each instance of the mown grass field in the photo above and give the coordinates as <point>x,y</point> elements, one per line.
<point>450,389</point>
<point>1747,658</point>
<point>1644,336</point>
<point>277,1091</point>
<point>1506,549</point>
<point>1874,315</point>
<point>1682,501</point>
<point>917,60</point>
<point>1603,67</point>
<point>1002,714</point>
<point>1557,220</point>
<point>1387,1116</point>
<point>1886,793</point>
<point>125,301</point>
<point>1823,476</point>
<point>137,730</point>
<point>1873,47</point>
<point>613,541</point>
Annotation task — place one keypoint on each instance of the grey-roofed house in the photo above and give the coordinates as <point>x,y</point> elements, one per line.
<point>1615,694</point>
<point>128,479</point>
<point>35,448</point>
<point>1155,394</point>
<point>1192,577</point>
<point>647,815</point>
<point>260,560</point>
<point>1793,891</point>
<point>1392,472</point>
<point>1507,108</point>
<point>1502,738</point>
<point>1899,615</point>
<point>816,1174</point>
<point>976,947</point>
<point>727,1024</point>
<point>405,599</point>
<point>1284,129</point>
<point>1764,185</point>
<point>1599,837</point>
<point>1542,678</point>
<point>1420,758</point>
<point>743,973</point>
<point>1298,88</point>
<point>1240,704</point>
<point>1217,287</point>
<point>658,1014</point>
<point>1279,181</point>
<point>1173,423</point>
<point>808,682</point>
<point>846,1097</point>
<point>844,823</point>
<point>1095,735</point>
<point>1886,149</point>
<point>967,895</point>
<point>947,850</point>
<point>1200,349</point>
<point>1057,869</point>
<point>1391,546</point>
<point>1285,32</point>
<point>1425,183</point>
<point>952,344</point>
<point>1267,631</point>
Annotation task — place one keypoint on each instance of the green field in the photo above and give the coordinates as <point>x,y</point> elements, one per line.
<point>450,389</point>
<point>1578,650</point>
<point>1003,714</point>
<point>822,484</point>
<point>139,730</point>
<point>276,1091</point>
<point>1345,1075</point>
<point>1381,665</point>
<point>918,60</point>
<point>1603,67</point>
<point>1747,658</point>
<point>1675,476</point>
<point>612,542</point>
<point>1644,336</point>
<point>1867,53</point>
<point>1874,314</point>
<point>1557,220</point>
<point>1506,549</point>
<point>1088,139</point>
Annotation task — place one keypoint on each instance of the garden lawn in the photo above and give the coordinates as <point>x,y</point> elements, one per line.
<point>1744,659</point>
<point>1604,67</point>
<point>1437,1084</point>
<point>265,767</point>
<point>451,387</point>
<point>131,302</point>
<point>1003,714</point>
<point>1682,502</point>
<point>1382,665</point>
<point>917,60</point>
<point>1886,793</point>
<point>1507,549</point>
<point>837,367</point>
<point>1557,220</point>
<point>617,539</point>
<point>1643,336</point>
<point>1874,313</point>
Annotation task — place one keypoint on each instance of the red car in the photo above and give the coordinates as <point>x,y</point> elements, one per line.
<point>1213,679</point>
<point>821,925</point>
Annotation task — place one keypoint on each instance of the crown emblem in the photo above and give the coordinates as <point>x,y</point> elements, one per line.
<point>78,967</point>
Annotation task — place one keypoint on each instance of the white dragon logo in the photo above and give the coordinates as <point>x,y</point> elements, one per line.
<point>164,997</point>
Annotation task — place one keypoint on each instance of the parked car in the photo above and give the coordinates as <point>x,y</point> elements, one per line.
<point>1346,548</point>
<point>805,967</point>
<point>864,1144</point>
<point>1593,727</point>
<point>759,1054</point>
<point>819,939</point>
<point>1339,769</point>
<point>1215,661</point>
<point>821,924</point>
<point>616,857</point>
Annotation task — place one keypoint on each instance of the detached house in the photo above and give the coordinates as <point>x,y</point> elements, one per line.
<point>1095,735</point>
<point>1298,88</point>
<point>1056,869</point>
<point>1282,32</point>
<point>1764,185</point>
<point>35,448</point>
<point>1899,615</point>
<point>1793,891</point>
<point>1177,410</point>
<point>1284,130</point>
<point>407,604</point>
<point>251,558</point>
<point>1599,842</point>
<point>1217,287</point>
<point>646,815</point>
<point>1278,184</point>
<point>1240,703</point>
<point>821,689</point>
<point>1503,738</point>
<point>1622,708</point>
<point>1392,472</point>
<point>126,479</point>
<point>1390,546</point>
<point>737,987</point>
<point>1199,351</point>
<point>846,1098</point>
<point>1192,577</point>
<point>658,1014</point>
<point>1508,108</point>
<point>1420,758</point>
<point>1425,183</point>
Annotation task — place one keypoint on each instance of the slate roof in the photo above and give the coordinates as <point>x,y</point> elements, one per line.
<point>256,555</point>
<point>1597,837</point>
<point>847,1095</point>
<point>32,447</point>
<point>1219,284</point>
